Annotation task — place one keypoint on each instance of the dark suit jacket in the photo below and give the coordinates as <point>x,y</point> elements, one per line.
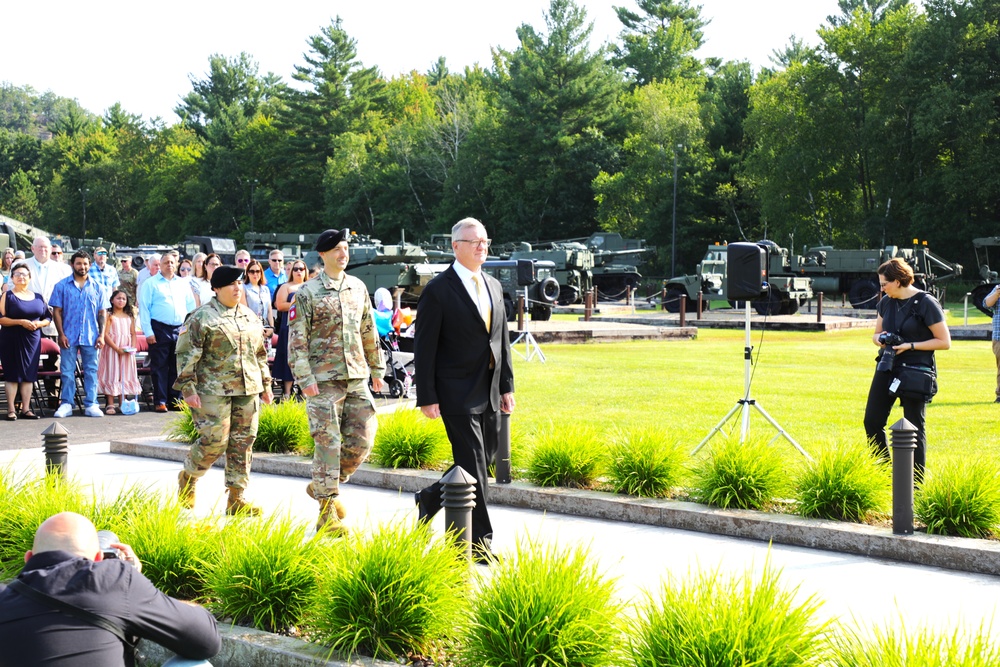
<point>452,348</point>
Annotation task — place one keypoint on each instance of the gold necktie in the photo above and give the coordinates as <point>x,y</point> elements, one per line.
<point>482,301</point>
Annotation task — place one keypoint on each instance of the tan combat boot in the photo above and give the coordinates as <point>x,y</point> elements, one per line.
<point>339,506</point>
<point>237,504</point>
<point>185,489</point>
<point>328,522</point>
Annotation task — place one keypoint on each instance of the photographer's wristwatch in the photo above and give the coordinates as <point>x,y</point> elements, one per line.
<point>913,346</point>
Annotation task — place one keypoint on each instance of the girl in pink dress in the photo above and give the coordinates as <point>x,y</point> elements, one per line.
<point>116,371</point>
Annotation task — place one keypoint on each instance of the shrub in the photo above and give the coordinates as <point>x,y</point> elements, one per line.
<point>569,457</point>
<point>745,475</point>
<point>845,483</point>
<point>261,573</point>
<point>886,647</point>
<point>644,463</point>
<point>389,594</point>
<point>547,606</point>
<point>181,428</point>
<point>284,427</point>
<point>24,506</point>
<point>407,439</point>
<point>960,498</point>
<point>710,619</point>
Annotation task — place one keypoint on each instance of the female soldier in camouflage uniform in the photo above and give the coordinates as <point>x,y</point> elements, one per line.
<point>222,372</point>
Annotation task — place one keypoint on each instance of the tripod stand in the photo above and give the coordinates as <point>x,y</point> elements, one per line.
<point>744,404</point>
<point>531,348</point>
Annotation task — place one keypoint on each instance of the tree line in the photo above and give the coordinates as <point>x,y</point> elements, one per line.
<point>886,131</point>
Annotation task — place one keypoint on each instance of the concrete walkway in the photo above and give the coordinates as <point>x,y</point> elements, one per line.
<point>854,589</point>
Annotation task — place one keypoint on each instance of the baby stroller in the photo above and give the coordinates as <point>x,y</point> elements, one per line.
<point>398,379</point>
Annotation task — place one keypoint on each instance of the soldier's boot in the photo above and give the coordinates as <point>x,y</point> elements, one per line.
<point>339,506</point>
<point>185,489</point>
<point>237,504</point>
<point>329,522</point>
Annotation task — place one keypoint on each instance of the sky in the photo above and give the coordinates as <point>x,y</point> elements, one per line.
<point>143,54</point>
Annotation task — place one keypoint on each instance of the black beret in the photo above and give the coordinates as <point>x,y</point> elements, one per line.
<point>329,239</point>
<point>225,275</point>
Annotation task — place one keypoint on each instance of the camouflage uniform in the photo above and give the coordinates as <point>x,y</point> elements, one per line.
<point>221,358</point>
<point>332,343</point>
<point>127,283</point>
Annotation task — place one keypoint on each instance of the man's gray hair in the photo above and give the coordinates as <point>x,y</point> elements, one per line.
<point>465,223</point>
<point>169,253</point>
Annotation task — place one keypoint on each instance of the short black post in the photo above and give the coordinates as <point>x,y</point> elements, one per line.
<point>502,457</point>
<point>903,436</point>
<point>819,306</point>
<point>701,304</point>
<point>458,497</point>
<point>520,312</point>
<point>588,305</point>
<point>682,309</point>
<point>54,444</point>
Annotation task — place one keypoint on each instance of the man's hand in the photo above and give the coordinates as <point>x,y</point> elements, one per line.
<point>63,341</point>
<point>432,411</point>
<point>311,390</point>
<point>507,403</point>
<point>378,384</point>
<point>194,400</point>
<point>267,396</point>
<point>151,340</point>
<point>128,555</point>
<point>99,343</point>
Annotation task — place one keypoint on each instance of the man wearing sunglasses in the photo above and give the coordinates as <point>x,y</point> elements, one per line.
<point>274,273</point>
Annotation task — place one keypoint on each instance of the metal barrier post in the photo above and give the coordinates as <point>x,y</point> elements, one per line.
<point>502,457</point>
<point>458,497</point>
<point>54,444</point>
<point>663,298</point>
<point>903,436</point>
<point>683,310</point>
<point>819,307</point>
<point>701,303</point>
<point>588,305</point>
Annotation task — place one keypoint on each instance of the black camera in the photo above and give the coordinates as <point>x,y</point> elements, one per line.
<point>888,358</point>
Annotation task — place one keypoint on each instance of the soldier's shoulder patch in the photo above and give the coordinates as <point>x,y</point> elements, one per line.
<point>291,313</point>
<point>183,329</point>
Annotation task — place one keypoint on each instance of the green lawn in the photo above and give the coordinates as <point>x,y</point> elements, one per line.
<point>814,384</point>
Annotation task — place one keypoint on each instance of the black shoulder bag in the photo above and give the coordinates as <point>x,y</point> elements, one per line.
<point>130,644</point>
<point>911,380</point>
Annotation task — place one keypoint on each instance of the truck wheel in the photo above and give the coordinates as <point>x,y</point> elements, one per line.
<point>791,307</point>
<point>568,295</point>
<point>769,304</point>
<point>549,290</point>
<point>509,308</point>
<point>674,296</point>
<point>863,294</point>
<point>540,313</point>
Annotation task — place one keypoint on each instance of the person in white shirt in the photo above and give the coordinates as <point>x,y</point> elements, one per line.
<point>47,269</point>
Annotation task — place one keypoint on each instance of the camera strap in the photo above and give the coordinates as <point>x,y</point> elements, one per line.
<point>82,614</point>
<point>910,307</point>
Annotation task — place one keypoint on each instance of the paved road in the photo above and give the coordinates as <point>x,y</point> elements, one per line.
<point>853,588</point>
<point>25,433</point>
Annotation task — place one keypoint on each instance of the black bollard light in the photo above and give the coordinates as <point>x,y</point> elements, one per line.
<point>903,436</point>
<point>458,497</point>
<point>502,457</point>
<point>54,444</point>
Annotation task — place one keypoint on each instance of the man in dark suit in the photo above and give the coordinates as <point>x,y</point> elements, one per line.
<point>463,368</point>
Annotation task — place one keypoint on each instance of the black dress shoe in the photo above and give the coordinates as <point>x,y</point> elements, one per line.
<point>424,514</point>
<point>483,555</point>
<point>28,414</point>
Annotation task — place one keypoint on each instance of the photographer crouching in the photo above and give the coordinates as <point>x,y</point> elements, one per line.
<point>909,327</point>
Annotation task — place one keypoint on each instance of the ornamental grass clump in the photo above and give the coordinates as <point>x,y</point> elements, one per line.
<point>284,427</point>
<point>25,504</point>
<point>546,606</point>
<point>927,647</point>
<point>846,482</point>
<point>261,573</point>
<point>960,498</point>
<point>407,439</point>
<point>719,620</point>
<point>747,475</point>
<point>568,457</point>
<point>389,594</point>
<point>645,463</point>
<point>181,428</point>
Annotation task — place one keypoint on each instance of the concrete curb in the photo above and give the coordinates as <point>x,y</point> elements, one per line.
<point>255,648</point>
<point>955,553</point>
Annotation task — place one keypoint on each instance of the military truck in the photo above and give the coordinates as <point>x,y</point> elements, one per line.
<point>784,297</point>
<point>987,276</point>
<point>224,248</point>
<point>794,278</point>
<point>525,277</point>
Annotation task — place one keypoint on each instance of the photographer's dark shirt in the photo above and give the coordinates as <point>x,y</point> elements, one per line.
<point>916,315</point>
<point>32,633</point>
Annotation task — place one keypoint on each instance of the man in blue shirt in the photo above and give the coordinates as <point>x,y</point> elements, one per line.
<point>103,272</point>
<point>165,299</point>
<point>79,308</point>
<point>275,271</point>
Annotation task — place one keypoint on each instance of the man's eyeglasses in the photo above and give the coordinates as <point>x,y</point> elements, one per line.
<point>55,253</point>
<point>279,261</point>
<point>243,260</point>
<point>101,254</point>
<point>479,243</point>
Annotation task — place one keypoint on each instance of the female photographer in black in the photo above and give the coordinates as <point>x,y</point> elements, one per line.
<point>918,319</point>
